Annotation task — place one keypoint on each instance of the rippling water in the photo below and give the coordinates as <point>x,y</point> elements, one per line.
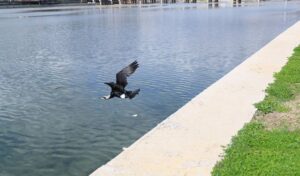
<point>53,64</point>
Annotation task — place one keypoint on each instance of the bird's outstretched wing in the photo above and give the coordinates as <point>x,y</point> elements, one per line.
<point>126,72</point>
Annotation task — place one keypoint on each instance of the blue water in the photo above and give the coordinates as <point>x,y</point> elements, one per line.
<point>53,65</point>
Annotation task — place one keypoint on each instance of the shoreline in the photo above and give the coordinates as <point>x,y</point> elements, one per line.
<point>264,145</point>
<point>189,142</point>
<point>98,5</point>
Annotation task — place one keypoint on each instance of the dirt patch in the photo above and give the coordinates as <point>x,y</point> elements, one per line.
<point>289,120</point>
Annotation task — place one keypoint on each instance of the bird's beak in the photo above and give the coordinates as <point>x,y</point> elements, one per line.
<point>105,97</point>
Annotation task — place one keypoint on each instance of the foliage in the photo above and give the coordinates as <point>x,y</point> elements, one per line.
<point>284,88</point>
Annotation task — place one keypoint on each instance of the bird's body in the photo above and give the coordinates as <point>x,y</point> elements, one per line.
<point>118,88</point>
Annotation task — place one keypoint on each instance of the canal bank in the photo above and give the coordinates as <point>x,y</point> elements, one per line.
<point>190,141</point>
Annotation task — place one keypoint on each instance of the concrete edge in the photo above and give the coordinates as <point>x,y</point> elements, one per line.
<point>212,117</point>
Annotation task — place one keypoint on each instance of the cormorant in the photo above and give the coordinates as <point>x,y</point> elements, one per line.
<point>118,88</point>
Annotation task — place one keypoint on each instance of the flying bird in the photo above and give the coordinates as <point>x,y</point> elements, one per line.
<point>118,88</point>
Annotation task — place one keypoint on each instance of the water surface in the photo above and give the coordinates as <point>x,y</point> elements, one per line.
<point>53,64</point>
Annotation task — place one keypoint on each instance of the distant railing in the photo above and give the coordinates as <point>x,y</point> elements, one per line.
<point>109,2</point>
<point>24,2</point>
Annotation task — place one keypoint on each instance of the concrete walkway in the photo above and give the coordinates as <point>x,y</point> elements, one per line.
<point>188,143</point>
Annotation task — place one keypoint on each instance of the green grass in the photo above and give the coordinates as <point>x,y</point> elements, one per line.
<point>284,88</point>
<point>256,151</point>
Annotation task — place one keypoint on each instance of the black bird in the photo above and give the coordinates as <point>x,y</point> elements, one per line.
<point>118,88</point>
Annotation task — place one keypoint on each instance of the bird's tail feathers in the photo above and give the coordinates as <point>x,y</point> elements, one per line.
<point>132,94</point>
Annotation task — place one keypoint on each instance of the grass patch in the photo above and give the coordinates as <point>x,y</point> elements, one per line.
<point>260,150</point>
<point>256,151</point>
<point>284,88</point>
